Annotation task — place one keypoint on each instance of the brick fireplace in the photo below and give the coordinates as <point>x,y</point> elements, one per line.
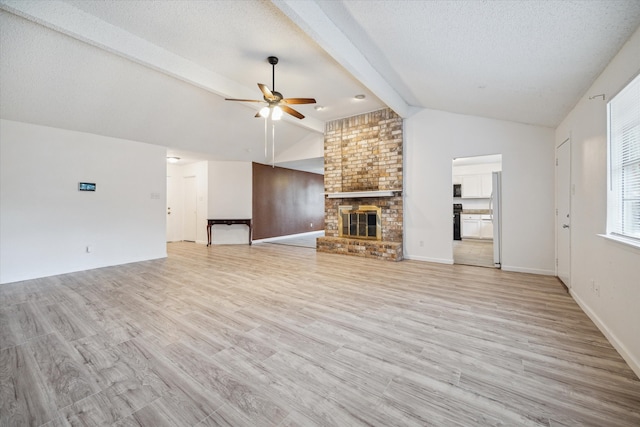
<point>363,172</point>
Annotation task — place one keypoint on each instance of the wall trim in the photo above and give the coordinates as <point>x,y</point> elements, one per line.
<point>633,363</point>
<point>428,259</point>
<point>528,270</point>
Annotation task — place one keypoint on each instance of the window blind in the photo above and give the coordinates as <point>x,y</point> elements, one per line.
<point>623,211</point>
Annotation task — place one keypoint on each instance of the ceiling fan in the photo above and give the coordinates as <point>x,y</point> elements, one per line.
<point>277,104</point>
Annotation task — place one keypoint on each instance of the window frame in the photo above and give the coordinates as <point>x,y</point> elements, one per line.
<point>615,194</point>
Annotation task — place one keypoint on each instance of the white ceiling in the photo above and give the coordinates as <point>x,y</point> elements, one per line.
<point>157,71</point>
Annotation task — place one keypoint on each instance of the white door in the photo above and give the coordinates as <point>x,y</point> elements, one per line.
<point>563,212</point>
<point>174,208</point>
<point>190,223</point>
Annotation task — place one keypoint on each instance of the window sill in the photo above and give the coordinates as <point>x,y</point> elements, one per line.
<point>622,240</point>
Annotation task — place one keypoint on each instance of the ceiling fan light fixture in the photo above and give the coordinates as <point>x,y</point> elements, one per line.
<point>264,112</point>
<point>277,113</point>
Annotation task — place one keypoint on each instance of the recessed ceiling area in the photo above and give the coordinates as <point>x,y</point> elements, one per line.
<point>158,72</point>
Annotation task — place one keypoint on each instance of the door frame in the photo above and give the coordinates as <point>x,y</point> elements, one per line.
<point>566,144</point>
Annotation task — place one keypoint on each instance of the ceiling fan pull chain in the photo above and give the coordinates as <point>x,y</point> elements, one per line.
<point>265,140</point>
<point>273,145</point>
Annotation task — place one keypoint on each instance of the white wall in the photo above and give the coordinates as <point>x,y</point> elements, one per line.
<point>46,223</point>
<point>230,197</point>
<point>310,147</point>
<point>615,267</point>
<point>432,139</point>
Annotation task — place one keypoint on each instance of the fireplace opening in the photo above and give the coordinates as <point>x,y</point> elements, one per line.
<point>362,222</point>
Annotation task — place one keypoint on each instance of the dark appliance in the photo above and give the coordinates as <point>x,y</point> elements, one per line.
<point>457,232</point>
<point>457,190</point>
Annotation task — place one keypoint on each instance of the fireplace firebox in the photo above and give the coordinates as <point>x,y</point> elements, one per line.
<point>361,222</point>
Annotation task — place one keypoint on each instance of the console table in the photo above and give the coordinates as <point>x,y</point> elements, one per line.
<point>211,222</point>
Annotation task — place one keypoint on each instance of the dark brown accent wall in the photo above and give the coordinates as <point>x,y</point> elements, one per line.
<point>286,201</point>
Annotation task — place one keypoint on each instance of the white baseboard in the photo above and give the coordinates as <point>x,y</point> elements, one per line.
<point>427,259</point>
<point>633,363</point>
<point>528,270</point>
<point>198,242</point>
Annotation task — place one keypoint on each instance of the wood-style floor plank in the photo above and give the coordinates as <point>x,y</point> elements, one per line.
<point>21,322</point>
<point>66,379</point>
<point>276,335</point>
<point>24,397</point>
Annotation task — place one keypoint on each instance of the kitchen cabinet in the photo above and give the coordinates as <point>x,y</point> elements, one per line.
<point>476,226</point>
<point>486,227</point>
<point>477,186</point>
<point>470,226</point>
<point>471,186</point>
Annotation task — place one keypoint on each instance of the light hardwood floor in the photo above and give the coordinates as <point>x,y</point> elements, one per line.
<point>473,252</point>
<point>274,335</point>
<point>307,240</point>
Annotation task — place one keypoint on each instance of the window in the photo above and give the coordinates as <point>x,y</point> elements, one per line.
<point>623,199</point>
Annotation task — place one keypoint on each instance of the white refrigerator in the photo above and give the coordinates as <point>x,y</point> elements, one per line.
<point>496,217</point>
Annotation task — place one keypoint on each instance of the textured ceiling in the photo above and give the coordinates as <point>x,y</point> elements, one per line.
<point>157,71</point>
<point>525,61</point>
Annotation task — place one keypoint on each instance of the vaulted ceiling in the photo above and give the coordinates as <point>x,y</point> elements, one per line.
<point>158,71</point>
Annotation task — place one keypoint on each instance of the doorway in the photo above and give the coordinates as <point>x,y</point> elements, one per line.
<point>563,212</point>
<point>477,191</point>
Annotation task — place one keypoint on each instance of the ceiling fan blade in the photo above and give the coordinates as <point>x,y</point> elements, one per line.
<point>243,100</point>
<point>299,100</point>
<point>266,92</point>
<point>257,114</point>
<point>291,111</point>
